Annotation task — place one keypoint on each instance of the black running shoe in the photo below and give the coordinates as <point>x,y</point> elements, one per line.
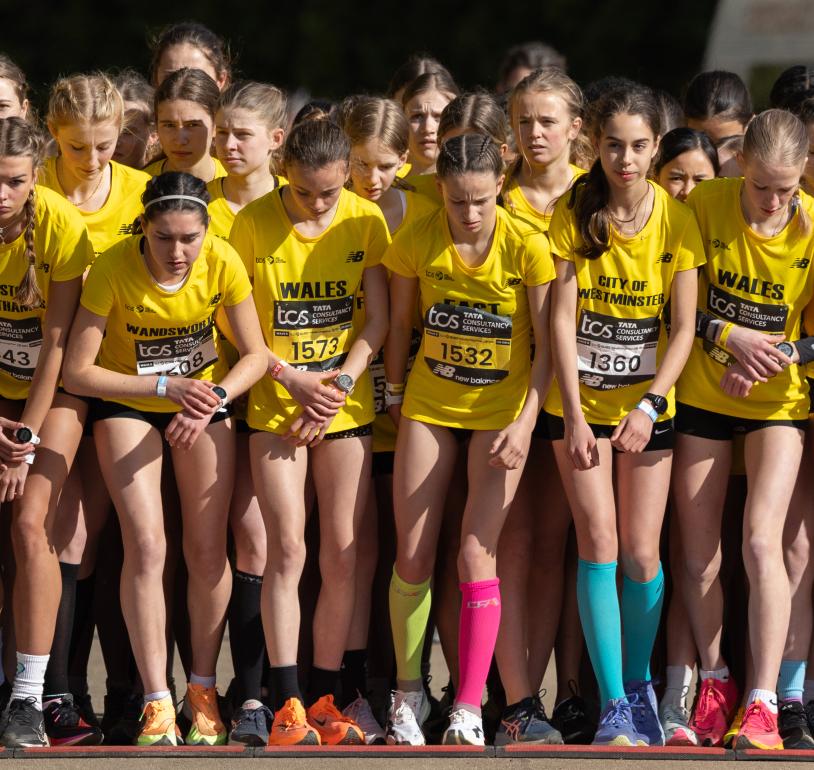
<point>573,721</point>
<point>64,724</point>
<point>437,722</point>
<point>251,724</point>
<point>84,703</point>
<point>793,726</point>
<point>121,722</point>
<point>23,726</point>
<point>526,722</point>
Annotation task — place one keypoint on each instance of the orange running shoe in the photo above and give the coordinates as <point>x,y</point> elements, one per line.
<point>201,706</point>
<point>759,729</point>
<point>158,726</point>
<point>291,728</point>
<point>333,726</point>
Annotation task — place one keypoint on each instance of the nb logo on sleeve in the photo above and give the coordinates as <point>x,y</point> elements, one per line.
<point>217,298</point>
<point>355,256</point>
<point>665,257</point>
<point>801,263</point>
<point>716,243</point>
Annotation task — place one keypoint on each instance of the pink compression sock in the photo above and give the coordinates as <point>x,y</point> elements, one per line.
<point>480,618</point>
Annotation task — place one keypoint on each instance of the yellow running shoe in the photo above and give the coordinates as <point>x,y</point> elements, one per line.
<point>201,706</point>
<point>734,728</point>
<point>158,724</point>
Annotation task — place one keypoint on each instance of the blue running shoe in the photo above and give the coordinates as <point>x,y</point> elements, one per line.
<point>645,708</point>
<point>616,727</point>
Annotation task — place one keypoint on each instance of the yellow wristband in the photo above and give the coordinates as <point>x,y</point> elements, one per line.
<point>724,336</point>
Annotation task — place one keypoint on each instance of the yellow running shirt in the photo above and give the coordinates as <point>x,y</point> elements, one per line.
<point>621,335</point>
<point>307,296</point>
<point>157,167</point>
<point>425,184</point>
<point>760,283</point>
<point>151,331</point>
<point>473,365</point>
<point>114,221</point>
<point>221,215</point>
<point>415,206</point>
<point>517,204</point>
<point>63,251</point>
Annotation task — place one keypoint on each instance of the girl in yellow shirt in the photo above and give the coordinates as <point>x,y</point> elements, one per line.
<point>13,90</point>
<point>481,280</point>
<point>624,249</point>
<point>144,343</point>
<point>190,44</point>
<point>138,142</point>
<point>248,134</point>
<point>311,247</point>
<point>753,293</point>
<point>85,116</point>
<point>185,105</point>
<point>45,250</point>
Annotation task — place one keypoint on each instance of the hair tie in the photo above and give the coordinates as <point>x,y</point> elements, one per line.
<point>176,198</point>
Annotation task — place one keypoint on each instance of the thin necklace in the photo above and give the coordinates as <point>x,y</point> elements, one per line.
<point>81,203</point>
<point>8,227</point>
<point>636,209</point>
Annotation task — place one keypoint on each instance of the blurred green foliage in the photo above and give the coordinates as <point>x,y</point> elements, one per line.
<point>335,48</point>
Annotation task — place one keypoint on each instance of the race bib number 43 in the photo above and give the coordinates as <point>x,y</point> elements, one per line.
<point>176,356</point>
<point>467,345</point>
<point>616,352</point>
<point>314,333</point>
<point>20,344</point>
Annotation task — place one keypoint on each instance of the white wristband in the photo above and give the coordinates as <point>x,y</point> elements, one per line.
<point>648,410</point>
<point>393,400</point>
<point>161,386</point>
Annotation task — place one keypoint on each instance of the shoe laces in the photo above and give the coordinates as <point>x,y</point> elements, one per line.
<point>758,712</point>
<point>359,708</point>
<point>257,717</point>
<point>64,712</point>
<point>710,701</point>
<point>539,708</point>
<point>618,715</point>
<point>24,711</point>
<point>458,717</point>
<point>793,717</point>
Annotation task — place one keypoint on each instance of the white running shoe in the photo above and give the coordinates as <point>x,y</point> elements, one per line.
<point>408,711</point>
<point>465,729</point>
<point>361,713</point>
<point>675,721</point>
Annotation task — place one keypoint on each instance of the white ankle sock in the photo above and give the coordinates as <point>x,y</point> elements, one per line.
<point>767,697</point>
<point>678,685</point>
<point>203,681</point>
<point>30,677</point>
<point>721,674</point>
<point>158,695</point>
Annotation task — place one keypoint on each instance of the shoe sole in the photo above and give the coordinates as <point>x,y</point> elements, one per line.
<point>248,740</point>
<point>458,741</point>
<point>80,740</point>
<point>681,740</point>
<point>744,743</point>
<point>309,740</point>
<point>163,741</point>
<point>393,742</point>
<point>621,740</point>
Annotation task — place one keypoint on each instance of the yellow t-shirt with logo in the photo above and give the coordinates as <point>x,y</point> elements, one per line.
<point>384,429</point>
<point>517,204</point>
<point>221,215</point>
<point>307,296</point>
<point>472,368</point>
<point>157,167</point>
<point>63,251</point>
<point>621,335</point>
<point>151,331</point>
<point>114,221</point>
<point>753,281</point>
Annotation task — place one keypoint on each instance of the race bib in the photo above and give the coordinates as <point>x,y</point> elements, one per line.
<point>314,334</point>
<point>467,345</point>
<point>616,352</point>
<point>20,345</point>
<point>177,356</point>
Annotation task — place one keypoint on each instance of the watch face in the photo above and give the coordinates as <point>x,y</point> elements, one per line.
<point>786,348</point>
<point>219,392</point>
<point>344,382</point>
<point>659,402</point>
<point>24,435</point>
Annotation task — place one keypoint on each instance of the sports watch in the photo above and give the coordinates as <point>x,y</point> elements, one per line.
<point>659,402</point>
<point>221,394</point>
<point>345,383</point>
<point>26,436</point>
<point>786,348</point>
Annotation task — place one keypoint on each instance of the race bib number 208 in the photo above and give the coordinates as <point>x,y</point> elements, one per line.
<point>176,356</point>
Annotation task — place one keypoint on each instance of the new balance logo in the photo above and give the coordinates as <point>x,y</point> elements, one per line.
<point>665,257</point>
<point>355,256</point>
<point>214,301</point>
<point>438,275</point>
<point>718,244</point>
<point>443,370</point>
<point>126,229</point>
<point>801,263</point>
